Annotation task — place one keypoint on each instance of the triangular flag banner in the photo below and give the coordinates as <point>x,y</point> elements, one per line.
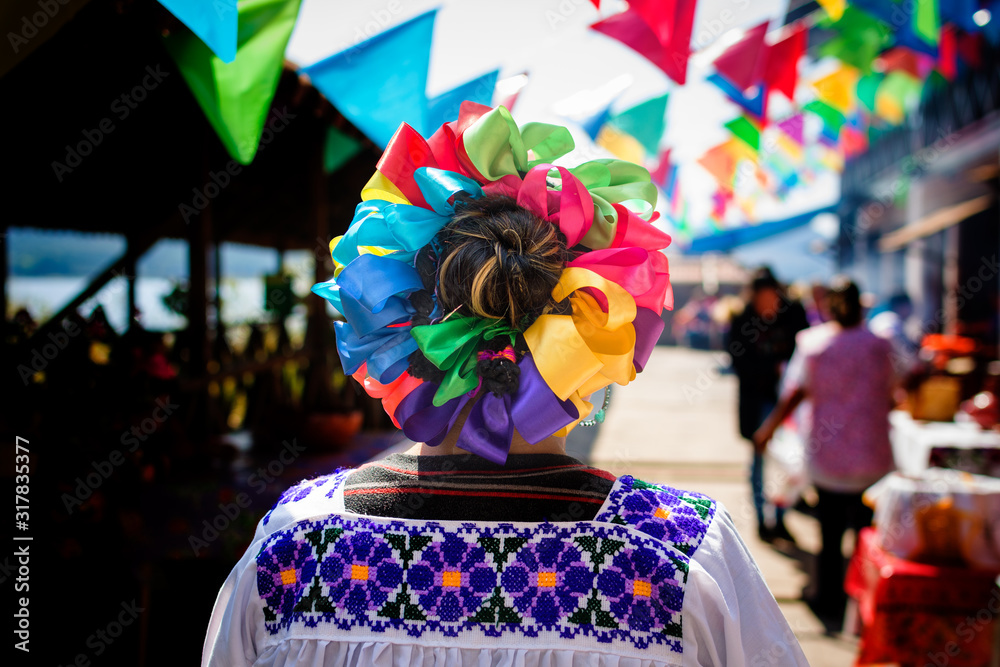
<point>835,8</point>
<point>444,108</point>
<point>646,122</point>
<point>833,120</point>
<point>947,63</point>
<point>794,127</point>
<point>867,88</point>
<point>960,13</point>
<point>906,59</point>
<point>852,141</point>
<point>592,124</point>
<point>236,110</point>
<point>721,161</point>
<point>782,70</point>
<point>620,145</point>
<point>659,30</point>
<point>746,131</point>
<point>214,22</point>
<point>926,22</point>
<point>899,91</point>
<point>838,88</point>
<point>382,82</point>
<point>785,145</point>
<point>860,38</point>
<point>659,174</point>
<point>720,202</point>
<point>753,101</point>
<point>338,149</point>
<point>902,17</point>
<point>742,63</point>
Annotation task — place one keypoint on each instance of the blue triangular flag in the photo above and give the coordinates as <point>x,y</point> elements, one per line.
<point>755,104</point>
<point>444,108</point>
<point>592,124</point>
<point>381,82</point>
<point>214,21</point>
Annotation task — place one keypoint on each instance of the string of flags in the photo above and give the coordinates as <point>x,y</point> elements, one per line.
<point>870,62</point>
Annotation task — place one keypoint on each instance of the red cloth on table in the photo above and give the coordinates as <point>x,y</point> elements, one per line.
<point>915,614</point>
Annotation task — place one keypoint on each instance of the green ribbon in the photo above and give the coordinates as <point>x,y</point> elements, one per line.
<point>453,346</point>
<point>612,181</point>
<point>497,147</point>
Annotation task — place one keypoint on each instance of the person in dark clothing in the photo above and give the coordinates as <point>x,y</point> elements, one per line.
<point>761,341</point>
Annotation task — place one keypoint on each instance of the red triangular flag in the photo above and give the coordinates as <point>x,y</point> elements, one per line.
<point>659,30</point>
<point>659,174</point>
<point>781,72</point>
<point>744,62</point>
<point>947,49</point>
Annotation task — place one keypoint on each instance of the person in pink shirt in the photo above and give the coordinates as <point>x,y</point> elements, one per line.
<point>846,373</point>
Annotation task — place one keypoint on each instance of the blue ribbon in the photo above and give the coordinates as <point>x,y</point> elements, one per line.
<point>372,293</point>
<point>403,228</point>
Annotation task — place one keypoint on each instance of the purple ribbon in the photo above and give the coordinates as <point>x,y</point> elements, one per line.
<point>533,410</point>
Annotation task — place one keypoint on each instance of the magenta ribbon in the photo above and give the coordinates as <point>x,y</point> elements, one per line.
<point>571,208</point>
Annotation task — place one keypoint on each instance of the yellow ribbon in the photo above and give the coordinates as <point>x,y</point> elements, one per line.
<point>580,353</point>
<point>380,187</point>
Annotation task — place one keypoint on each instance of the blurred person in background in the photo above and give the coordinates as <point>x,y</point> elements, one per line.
<point>891,324</point>
<point>761,341</point>
<point>693,323</point>
<point>846,373</point>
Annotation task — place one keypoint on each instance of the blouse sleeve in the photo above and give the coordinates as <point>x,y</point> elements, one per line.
<point>231,640</point>
<point>729,616</point>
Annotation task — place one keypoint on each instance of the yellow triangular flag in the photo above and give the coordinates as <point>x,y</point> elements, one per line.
<point>837,89</point>
<point>835,8</point>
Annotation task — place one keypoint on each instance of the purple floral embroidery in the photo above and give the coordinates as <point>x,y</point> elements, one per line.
<point>452,578</point>
<point>642,589</point>
<point>547,579</point>
<point>591,581</point>
<point>283,572</point>
<point>649,510</point>
<point>680,518</point>
<point>361,572</point>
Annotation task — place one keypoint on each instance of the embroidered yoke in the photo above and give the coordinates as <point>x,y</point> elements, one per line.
<point>322,586</point>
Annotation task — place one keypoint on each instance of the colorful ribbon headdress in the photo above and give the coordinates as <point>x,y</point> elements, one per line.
<point>616,283</point>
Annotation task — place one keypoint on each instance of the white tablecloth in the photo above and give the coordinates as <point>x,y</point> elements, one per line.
<point>912,441</point>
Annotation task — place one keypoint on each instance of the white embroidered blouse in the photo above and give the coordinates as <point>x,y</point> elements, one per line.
<point>660,577</point>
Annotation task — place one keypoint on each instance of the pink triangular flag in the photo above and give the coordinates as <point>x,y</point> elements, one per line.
<point>744,62</point>
<point>659,30</point>
<point>794,127</point>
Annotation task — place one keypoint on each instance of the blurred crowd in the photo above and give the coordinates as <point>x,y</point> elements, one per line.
<point>822,366</point>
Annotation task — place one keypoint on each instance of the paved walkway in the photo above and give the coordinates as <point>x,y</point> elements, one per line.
<point>677,425</point>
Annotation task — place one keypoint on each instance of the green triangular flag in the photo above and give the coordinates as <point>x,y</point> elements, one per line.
<point>745,130</point>
<point>338,149</point>
<point>237,96</point>
<point>860,37</point>
<point>903,88</point>
<point>646,122</point>
<point>925,22</point>
<point>832,118</point>
<point>867,87</point>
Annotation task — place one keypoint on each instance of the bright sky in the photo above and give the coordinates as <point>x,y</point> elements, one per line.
<point>551,40</point>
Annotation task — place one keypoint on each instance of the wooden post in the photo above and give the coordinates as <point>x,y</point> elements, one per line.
<point>199,240</point>
<point>318,393</point>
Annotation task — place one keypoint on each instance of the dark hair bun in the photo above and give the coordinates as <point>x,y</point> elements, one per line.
<point>498,260</point>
